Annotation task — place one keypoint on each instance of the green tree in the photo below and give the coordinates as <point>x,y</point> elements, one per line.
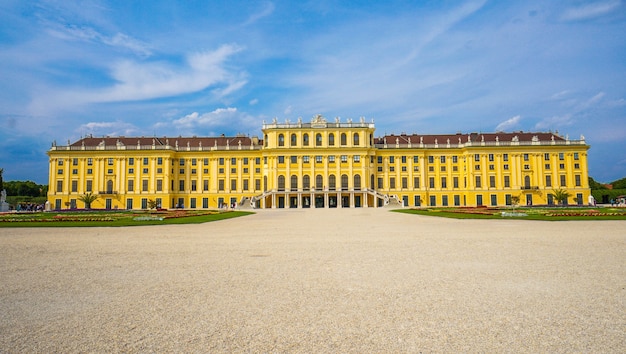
<point>88,198</point>
<point>560,195</point>
<point>152,204</point>
<point>595,185</point>
<point>619,184</point>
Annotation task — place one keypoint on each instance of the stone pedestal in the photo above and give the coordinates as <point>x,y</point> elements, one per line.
<point>4,206</point>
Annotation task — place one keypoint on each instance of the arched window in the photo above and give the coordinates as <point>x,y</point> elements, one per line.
<point>306,182</point>
<point>281,183</point>
<point>294,183</point>
<point>305,139</point>
<point>294,142</point>
<point>331,139</point>
<point>109,187</point>
<point>281,140</point>
<point>344,139</point>
<point>318,139</point>
<point>344,182</point>
<point>319,182</point>
<point>527,182</point>
<point>332,183</point>
<point>357,182</point>
<point>356,139</point>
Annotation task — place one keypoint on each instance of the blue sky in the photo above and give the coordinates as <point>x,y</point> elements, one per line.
<point>145,68</point>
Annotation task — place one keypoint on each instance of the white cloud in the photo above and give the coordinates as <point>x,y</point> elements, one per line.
<point>88,34</point>
<point>218,121</point>
<point>108,129</point>
<point>554,122</point>
<point>589,11</point>
<point>143,81</point>
<point>253,101</point>
<point>288,110</point>
<point>509,124</point>
<point>267,10</point>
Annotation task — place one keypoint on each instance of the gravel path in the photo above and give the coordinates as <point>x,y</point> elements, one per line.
<point>348,280</point>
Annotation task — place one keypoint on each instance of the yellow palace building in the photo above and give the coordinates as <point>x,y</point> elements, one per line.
<point>319,164</point>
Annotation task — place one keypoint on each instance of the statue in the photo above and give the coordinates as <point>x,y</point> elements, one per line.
<point>4,206</point>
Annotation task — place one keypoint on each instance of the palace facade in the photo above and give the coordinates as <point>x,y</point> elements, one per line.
<point>319,164</point>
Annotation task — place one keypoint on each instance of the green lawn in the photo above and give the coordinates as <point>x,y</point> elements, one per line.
<point>114,218</point>
<point>548,214</point>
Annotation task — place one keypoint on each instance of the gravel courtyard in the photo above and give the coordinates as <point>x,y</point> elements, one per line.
<point>318,280</point>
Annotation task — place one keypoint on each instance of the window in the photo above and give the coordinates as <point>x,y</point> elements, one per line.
<point>356,139</point>
<point>281,140</point>
<point>562,166</point>
<point>89,161</point>
<point>444,182</point>
<point>294,159</point>
<point>561,156</point>
<point>194,185</point>
<point>505,157</point>
<point>492,181</point>
<point>110,161</point>
<point>527,167</point>
<point>576,166</point>
<point>490,157</point>
<point>257,184</point>
<point>479,200</point>
<point>478,182</point>
<point>294,182</point>
<point>380,159</point>
<point>318,139</point>
<point>305,159</point>
<point>392,183</point>
<point>505,166</point>
<point>75,162</point>
<point>547,166</point>
<point>319,182</point>
<point>75,171</point>
<point>332,182</point>
<point>160,161</point>
<point>205,203</point>
<point>159,185</point>
<point>546,156</point>
<point>392,159</point>
<point>145,161</point>
<point>281,159</point>
<point>416,182</point>
<point>60,162</point>
<point>205,161</point>
<point>525,157</point>
<point>221,161</point>
<point>444,200</point>
<point>306,182</point>
<point>294,140</point>
<point>455,182</point>
<point>494,200</point>
<point>331,139</point>
<point>357,158</point>
<point>431,159</point>
<point>577,180</point>
<point>416,159</point>
<point>391,168</point>
<point>318,158</point>
<point>344,182</point>
<point>74,186</point>
<point>130,185</point>
<point>403,159</point>
<point>181,171</point>
<point>245,184</point>
<point>442,159</point>
<point>455,159</point>
<point>60,171</point>
<point>357,182</point>
<point>476,157</point>
<point>575,156</point>
<point>305,140</point>
<point>344,158</point>
<point>60,186</point>
<point>344,139</point>
<point>380,183</point>
<point>89,171</point>
<point>507,181</point>
<point>403,168</point>
<point>220,185</point>
<point>144,185</point>
<point>563,181</point>
<point>431,182</point>
<point>89,187</point>
<point>477,167</point>
<point>443,168</point>
<point>205,185</point>
<point>331,158</point>
<point>233,184</point>
<point>194,162</point>
<point>281,183</point>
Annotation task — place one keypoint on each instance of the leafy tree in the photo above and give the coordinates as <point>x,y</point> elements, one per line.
<point>561,195</point>
<point>152,204</point>
<point>619,184</point>
<point>88,198</point>
<point>595,185</point>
